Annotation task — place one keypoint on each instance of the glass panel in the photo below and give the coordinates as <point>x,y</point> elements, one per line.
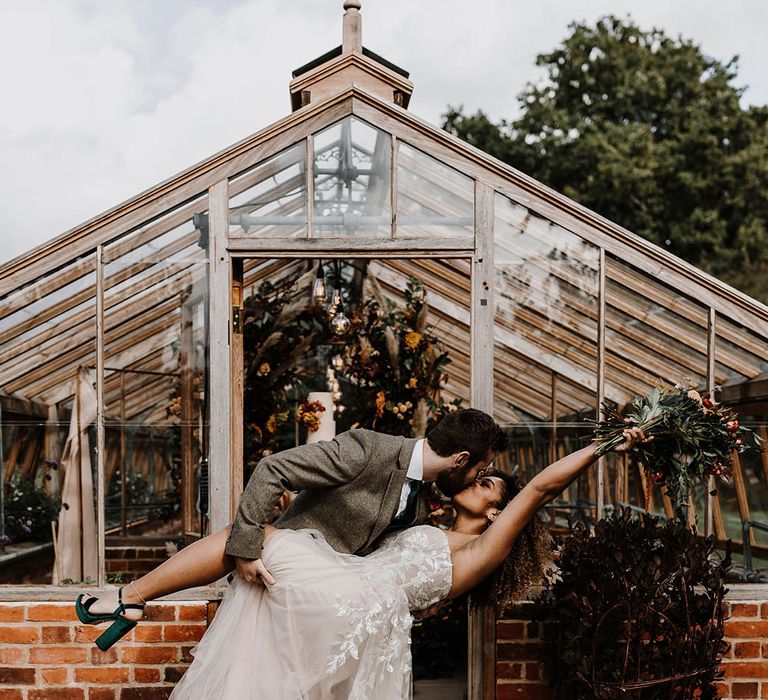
<point>654,335</point>
<point>47,340</point>
<point>156,290</point>
<point>741,370</point>
<point>433,199</point>
<point>353,175</point>
<point>269,199</point>
<point>545,345</point>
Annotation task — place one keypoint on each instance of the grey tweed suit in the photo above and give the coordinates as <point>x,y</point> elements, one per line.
<point>349,490</point>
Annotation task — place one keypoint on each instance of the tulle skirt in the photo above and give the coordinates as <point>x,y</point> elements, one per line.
<point>332,627</point>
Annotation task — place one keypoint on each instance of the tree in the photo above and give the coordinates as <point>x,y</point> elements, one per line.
<point>649,132</point>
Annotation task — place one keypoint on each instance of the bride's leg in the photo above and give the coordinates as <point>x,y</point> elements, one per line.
<point>198,564</point>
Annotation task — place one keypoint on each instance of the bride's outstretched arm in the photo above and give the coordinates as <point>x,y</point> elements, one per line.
<point>477,560</point>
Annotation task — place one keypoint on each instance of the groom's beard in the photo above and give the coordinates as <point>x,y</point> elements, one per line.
<point>453,481</point>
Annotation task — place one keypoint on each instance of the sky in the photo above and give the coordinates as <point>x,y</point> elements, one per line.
<point>101,99</point>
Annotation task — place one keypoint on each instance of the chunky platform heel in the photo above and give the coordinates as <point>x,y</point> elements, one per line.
<point>119,628</point>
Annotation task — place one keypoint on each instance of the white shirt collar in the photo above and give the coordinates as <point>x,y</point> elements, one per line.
<point>416,465</point>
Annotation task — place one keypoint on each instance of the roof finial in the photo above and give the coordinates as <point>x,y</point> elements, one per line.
<point>353,29</point>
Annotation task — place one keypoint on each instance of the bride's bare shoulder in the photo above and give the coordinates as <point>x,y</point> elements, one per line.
<point>457,540</point>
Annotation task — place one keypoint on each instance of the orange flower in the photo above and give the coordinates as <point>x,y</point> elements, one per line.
<point>412,383</point>
<point>271,425</point>
<point>381,402</point>
<point>412,340</point>
<point>264,369</point>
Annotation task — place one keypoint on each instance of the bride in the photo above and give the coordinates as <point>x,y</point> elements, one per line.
<point>333,626</point>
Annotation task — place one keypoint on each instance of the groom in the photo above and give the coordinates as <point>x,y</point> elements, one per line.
<point>360,484</point>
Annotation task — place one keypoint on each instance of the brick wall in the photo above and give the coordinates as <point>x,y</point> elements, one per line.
<point>46,653</point>
<point>519,673</point>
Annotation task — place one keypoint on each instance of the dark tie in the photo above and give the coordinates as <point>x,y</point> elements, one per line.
<point>407,516</point>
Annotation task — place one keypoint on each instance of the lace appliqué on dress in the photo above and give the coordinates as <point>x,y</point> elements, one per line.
<point>410,571</point>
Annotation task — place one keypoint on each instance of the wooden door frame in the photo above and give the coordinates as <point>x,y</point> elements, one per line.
<point>226,349</point>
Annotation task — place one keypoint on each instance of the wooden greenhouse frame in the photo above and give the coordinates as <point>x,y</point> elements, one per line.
<point>642,315</point>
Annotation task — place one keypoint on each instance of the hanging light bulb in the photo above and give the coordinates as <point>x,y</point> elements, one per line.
<point>333,307</point>
<point>340,323</point>
<point>319,290</point>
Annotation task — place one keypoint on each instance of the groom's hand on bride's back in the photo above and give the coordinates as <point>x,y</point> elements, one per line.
<point>253,571</point>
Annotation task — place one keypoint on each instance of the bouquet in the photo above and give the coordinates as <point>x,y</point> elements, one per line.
<point>308,413</point>
<point>694,437</point>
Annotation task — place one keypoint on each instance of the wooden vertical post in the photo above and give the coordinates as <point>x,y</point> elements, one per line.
<point>600,383</point>
<point>123,464</point>
<point>220,449</point>
<point>188,451</point>
<point>236,405</point>
<point>482,621</point>
<point>100,436</point>
<point>52,452</point>
<point>711,356</point>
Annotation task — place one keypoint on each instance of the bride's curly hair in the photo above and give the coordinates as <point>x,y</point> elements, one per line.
<point>526,564</point>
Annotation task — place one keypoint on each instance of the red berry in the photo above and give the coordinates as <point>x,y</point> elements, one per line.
<point>707,402</point>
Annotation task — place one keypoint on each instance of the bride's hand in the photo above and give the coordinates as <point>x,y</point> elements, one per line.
<point>632,436</point>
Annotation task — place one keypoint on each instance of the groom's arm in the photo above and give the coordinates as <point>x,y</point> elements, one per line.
<point>316,466</point>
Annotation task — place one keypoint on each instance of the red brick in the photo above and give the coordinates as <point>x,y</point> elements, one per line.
<point>10,694</point>
<point>19,635</point>
<point>186,654</point>
<point>764,690</point>
<point>146,693</point>
<point>12,675</point>
<point>12,613</point>
<point>764,611</point>
<point>523,691</point>
<point>533,671</point>
<point>745,669</point>
<point>102,675</point>
<point>58,655</point>
<point>746,650</point>
<point>195,611</point>
<point>54,676</point>
<point>148,633</point>
<point>533,630</point>
<point>103,657</point>
<point>56,634</point>
<point>52,612</point>
<point>102,693</point>
<point>744,610</point>
<point>511,631</point>
<point>511,651</point>
<point>509,670</point>
<point>160,612</point>
<point>149,655</point>
<point>12,655</point>
<point>183,633</point>
<point>61,693</point>
<point>746,630</point>
<point>146,675</point>
<point>87,633</point>
<point>173,674</point>
<point>744,690</point>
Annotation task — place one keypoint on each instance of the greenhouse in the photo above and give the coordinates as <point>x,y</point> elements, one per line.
<point>139,384</point>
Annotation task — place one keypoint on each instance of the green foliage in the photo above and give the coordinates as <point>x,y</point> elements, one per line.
<point>693,437</point>
<point>29,510</point>
<point>395,366</point>
<point>279,328</point>
<point>647,131</point>
<point>636,612</point>
<point>439,643</point>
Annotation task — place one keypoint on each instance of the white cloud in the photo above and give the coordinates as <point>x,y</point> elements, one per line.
<point>104,98</point>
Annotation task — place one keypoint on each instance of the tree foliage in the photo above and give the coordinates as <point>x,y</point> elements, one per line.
<point>649,132</point>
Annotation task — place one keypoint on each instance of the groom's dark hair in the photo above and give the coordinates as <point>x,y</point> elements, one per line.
<point>467,430</point>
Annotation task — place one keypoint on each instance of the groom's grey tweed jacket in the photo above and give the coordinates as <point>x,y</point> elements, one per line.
<point>349,490</point>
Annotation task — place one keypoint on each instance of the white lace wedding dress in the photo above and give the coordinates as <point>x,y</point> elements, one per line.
<point>333,626</point>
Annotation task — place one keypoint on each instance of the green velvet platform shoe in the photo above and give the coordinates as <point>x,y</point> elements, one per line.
<point>118,629</point>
